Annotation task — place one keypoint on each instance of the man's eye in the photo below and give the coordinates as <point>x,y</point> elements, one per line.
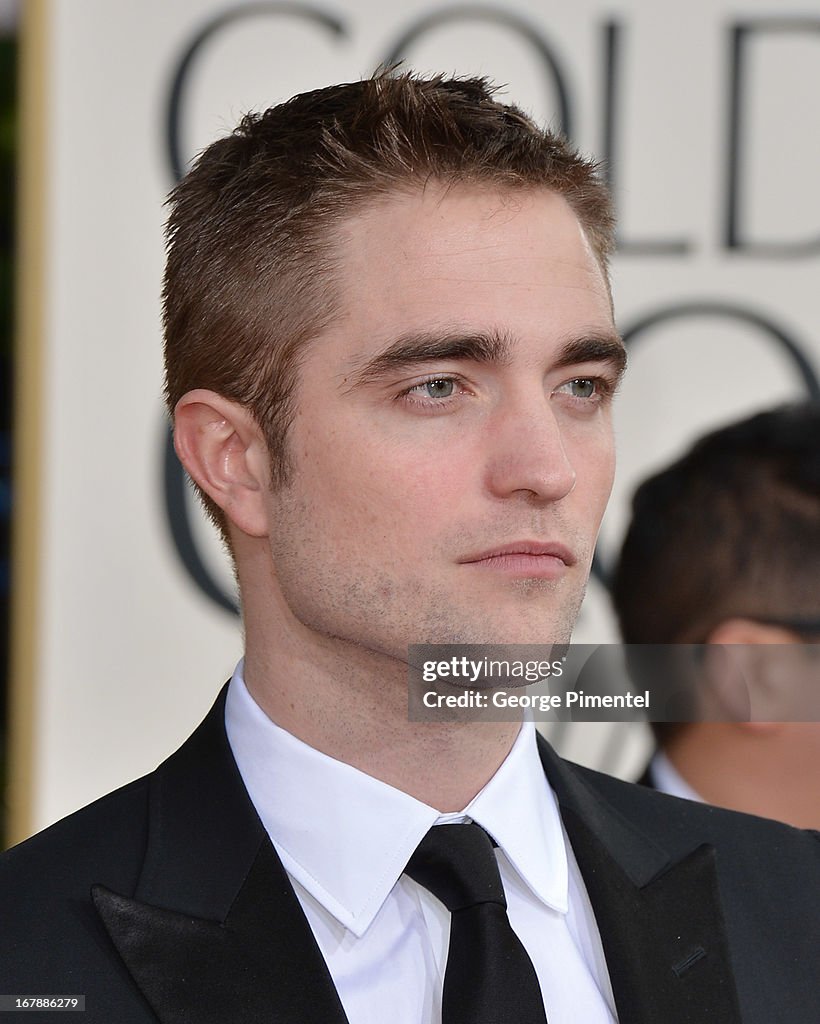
<point>581,387</point>
<point>441,387</point>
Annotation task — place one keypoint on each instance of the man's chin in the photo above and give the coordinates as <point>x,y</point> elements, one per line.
<point>542,625</point>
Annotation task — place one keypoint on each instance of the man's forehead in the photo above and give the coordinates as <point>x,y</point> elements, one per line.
<point>425,208</point>
<point>464,272</point>
<point>430,236</point>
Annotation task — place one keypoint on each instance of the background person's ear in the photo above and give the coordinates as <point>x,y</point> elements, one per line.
<point>222,448</point>
<point>724,684</point>
<point>745,656</point>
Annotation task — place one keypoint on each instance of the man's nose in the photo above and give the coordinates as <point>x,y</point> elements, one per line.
<point>527,454</point>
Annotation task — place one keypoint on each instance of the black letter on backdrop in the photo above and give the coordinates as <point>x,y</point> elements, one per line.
<point>472,12</point>
<point>206,34</point>
<point>722,310</point>
<point>609,153</point>
<point>739,37</point>
<point>177,507</point>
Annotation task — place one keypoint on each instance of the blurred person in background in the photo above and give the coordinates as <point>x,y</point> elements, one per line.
<point>723,550</point>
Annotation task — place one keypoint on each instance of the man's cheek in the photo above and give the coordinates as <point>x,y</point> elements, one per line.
<point>595,467</point>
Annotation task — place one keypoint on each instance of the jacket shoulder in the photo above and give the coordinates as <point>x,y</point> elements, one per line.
<point>105,839</point>
<point>52,939</point>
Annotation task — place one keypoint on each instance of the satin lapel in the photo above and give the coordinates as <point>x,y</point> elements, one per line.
<point>214,932</point>
<point>261,964</point>
<point>659,917</point>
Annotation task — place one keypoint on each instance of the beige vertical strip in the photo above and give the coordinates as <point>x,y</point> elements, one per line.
<point>29,386</point>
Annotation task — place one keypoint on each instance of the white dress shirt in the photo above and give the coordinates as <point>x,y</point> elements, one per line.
<point>344,838</point>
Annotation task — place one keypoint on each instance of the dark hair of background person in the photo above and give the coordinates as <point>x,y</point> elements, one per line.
<point>253,235</point>
<point>731,530</point>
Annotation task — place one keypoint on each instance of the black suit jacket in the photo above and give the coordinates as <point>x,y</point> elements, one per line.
<point>165,901</point>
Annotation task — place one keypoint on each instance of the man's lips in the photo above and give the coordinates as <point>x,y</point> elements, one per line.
<point>547,560</point>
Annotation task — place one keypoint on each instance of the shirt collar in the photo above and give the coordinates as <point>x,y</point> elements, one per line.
<point>346,837</point>
<point>520,811</point>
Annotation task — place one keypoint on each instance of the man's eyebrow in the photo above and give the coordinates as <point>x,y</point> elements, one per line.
<point>594,349</point>
<point>425,347</point>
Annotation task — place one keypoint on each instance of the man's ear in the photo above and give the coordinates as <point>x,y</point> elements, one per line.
<point>221,446</point>
<point>746,647</point>
<point>725,695</point>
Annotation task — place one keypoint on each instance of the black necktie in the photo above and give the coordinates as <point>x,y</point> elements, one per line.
<point>489,977</point>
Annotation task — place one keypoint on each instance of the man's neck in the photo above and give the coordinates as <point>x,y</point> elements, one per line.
<point>351,704</point>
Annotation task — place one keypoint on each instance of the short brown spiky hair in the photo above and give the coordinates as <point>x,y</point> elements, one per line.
<point>251,236</point>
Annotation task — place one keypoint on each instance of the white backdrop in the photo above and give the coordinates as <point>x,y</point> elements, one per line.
<point>706,112</point>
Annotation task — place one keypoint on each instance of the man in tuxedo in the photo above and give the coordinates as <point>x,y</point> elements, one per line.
<point>391,360</point>
<point>723,550</point>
